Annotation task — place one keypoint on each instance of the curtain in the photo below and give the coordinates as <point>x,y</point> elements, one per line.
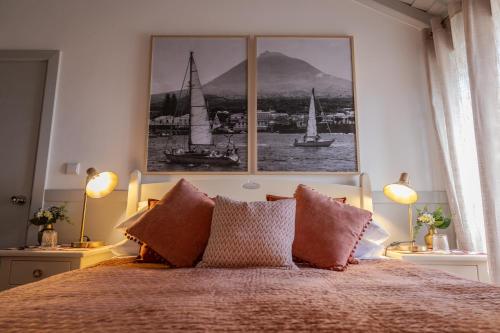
<point>463,58</point>
<point>482,35</point>
<point>453,121</point>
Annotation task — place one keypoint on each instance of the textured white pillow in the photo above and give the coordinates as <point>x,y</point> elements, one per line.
<point>251,234</point>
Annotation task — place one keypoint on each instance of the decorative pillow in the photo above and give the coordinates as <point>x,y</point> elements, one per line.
<point>178,226</point>
<point>251,234</point>
<point>128,247</point>
<point>272,197</point>
<point>326,231</point>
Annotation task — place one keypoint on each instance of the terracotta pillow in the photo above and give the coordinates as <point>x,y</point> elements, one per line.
<point>272,197</point>
<point>251,234</point>
<point>326,231</point>
<point>178,226</point>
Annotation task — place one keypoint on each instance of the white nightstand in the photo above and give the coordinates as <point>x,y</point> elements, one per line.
<point>467,266</point>
<point>19,267</point>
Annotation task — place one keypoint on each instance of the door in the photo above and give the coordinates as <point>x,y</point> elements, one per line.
<point>22,95</point>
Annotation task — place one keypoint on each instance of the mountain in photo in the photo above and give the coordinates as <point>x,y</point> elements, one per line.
<point>232,83</point>
<point>281,75</point>
<point>277,75</point>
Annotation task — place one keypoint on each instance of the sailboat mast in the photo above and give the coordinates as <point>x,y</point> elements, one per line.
<point>189,97</point>
<point>314,101</point>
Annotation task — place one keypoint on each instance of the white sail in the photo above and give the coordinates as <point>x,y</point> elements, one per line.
<point>217,122</point>
<point>312,130</point>
<point>200,124</point>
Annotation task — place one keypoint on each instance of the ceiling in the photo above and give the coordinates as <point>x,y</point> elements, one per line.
<point>415,13</point>
<point>432,7</point>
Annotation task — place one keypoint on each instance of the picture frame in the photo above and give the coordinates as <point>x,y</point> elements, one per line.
<point>201,125</point>
<point>282,142</point>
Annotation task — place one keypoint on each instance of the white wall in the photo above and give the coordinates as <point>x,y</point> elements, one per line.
<point>101,112</point>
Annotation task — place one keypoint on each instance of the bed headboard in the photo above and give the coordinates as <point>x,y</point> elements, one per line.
<point>243,188</point>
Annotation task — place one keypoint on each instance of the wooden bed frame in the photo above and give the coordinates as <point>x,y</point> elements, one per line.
<point>244,188</point>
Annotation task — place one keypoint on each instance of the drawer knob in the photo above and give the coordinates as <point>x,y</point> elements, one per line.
<point>37,273</point>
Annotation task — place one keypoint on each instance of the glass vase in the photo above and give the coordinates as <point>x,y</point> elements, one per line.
<point>49,239</point>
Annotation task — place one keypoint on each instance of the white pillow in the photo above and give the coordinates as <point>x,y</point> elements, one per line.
<point>126,248</point>
<point>375,233</point>
<point>367,249</point>
<point>371,245</point>
<point>130,221</point>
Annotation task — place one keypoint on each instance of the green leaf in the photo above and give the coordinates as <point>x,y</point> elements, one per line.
<point>445,223</point>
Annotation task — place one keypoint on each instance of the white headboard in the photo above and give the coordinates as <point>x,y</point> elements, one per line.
<point>237,187</point>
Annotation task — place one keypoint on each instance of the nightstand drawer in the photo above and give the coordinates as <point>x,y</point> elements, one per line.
<point>25,271</point>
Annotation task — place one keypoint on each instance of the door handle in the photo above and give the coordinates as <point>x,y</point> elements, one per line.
<point>18,200</point>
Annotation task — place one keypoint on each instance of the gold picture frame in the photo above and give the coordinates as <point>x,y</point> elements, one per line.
<point>194,170</point>
<point>251,103</point>
<point>255,143</point>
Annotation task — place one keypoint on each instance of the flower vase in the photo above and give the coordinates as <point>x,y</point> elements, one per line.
<point>44,227</point>
<point>428,237</point>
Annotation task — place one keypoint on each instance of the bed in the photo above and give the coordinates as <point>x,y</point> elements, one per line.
<point>376,295</point>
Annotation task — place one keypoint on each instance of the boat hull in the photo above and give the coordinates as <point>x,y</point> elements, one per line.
<point>200,159</point>
<point>325,143</point>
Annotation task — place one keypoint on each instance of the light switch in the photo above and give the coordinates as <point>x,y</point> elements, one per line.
<point>72,168</point>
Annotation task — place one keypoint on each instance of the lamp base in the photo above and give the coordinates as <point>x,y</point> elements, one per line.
<point>87,245</point>
<point>409,247</point>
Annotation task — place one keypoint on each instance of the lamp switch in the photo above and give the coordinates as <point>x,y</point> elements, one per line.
<point>72,168</point>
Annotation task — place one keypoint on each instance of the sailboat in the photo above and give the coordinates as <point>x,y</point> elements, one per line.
<point>200,142</point>
<point>312,138</point>
<point>218,128</point>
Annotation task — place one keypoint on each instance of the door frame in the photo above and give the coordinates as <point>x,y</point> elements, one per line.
<point>45,129</point>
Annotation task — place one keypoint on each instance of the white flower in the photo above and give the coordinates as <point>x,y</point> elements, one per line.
<point>39,214</point>
<point>48,215</point>
<point>427,218</point>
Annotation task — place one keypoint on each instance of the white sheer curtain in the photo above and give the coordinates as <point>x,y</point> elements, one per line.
<point>482,35</point>
<point>454,124</point>
<point>464,73</point>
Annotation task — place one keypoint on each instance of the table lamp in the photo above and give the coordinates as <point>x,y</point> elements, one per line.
<point>97,185</point>
<point>401,192</point>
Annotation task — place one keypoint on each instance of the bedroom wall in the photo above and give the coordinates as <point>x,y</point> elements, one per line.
<point>100,116</point>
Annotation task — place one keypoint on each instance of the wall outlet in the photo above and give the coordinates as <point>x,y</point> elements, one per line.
<point>72,168</point>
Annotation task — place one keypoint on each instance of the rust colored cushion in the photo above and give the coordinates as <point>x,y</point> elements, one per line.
<point>148,255</point>
<point>178,226</point>
<point>272,197</point>
<point>326,231</point>
<point>152,203</point>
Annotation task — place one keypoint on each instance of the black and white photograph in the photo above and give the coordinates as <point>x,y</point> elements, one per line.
<point>198,118</point>
<point>306,119</point>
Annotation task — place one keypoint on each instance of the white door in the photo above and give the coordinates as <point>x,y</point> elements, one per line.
<point>22,85</point>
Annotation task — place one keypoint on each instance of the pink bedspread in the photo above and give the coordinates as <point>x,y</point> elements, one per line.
<point>374,296</point>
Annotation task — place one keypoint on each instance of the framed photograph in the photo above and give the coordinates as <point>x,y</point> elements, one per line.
<point>198,110</point>
<point>306,112</point>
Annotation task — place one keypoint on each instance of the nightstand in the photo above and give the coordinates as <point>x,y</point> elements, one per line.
<point>467,266</point>
<point>19,267</point>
